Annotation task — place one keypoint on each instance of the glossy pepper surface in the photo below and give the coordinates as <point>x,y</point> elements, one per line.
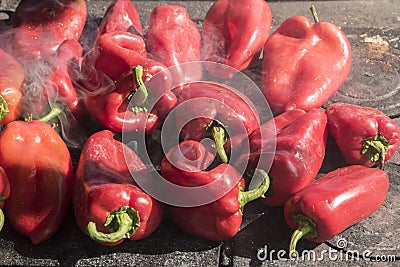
<point>173,38</point>
<point>108,205</point>
<point>39,167</point>
<point>4,193</point>
<point>335,202</point>
<point>234,31</point>
<point>217,108</point>
<point>364,135</point>
<point>299,153</point>
<point>12,79</point>
<point>185,165</point>
<point>41,26</point>
<point>304,64</point>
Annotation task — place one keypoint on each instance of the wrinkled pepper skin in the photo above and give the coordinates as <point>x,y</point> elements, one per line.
<point>364,135</point>
<point>299,153</point>
<point>304,64</point>
<point>4,193</point>
<point>218,220</point>
<point>104,184</point>
<point>234,31</point>
<point>219,103</point>
<point>335,202</point>
<point>12,79</point>
<point>39,167</point>
<point>35,20</point>
<point>173,38</point>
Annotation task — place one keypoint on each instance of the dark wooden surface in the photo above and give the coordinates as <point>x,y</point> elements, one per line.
<point>373,28</point>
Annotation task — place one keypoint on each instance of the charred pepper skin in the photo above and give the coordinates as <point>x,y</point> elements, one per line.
<point>40,180</point>
<point>105,192</point>
<point>334,202</point>
<point>304,64</point>
<point>364,135</point>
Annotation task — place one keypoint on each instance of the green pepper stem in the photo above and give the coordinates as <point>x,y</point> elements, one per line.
<point>1,219</point>
<point>218,134</point>
<point>140,94</point>
<point>375,148</point>
<point>248,196</point>
<point>314,13</point>
<point>54,112</point>
<point>3,107</point>
<point>306,229</point>
<point>121,223</point>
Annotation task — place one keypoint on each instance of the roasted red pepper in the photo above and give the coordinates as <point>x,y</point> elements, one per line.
<point>335,202</point>
<point>299,152</point>
<point>173,38</point>
<point>41,26</point>
<point>364,135</point>
<point>12,79</point>
<point>210,107</point>
<point>39,167</point>
<point>220,219</point>
<point>234,31</point>
<point>304,64</point>
<point>4,193</point>
<point>108,205</point>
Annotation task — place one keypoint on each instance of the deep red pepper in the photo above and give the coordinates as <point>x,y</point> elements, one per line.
<point>364,135</point>
<point>234,31</point>
<point>4,193</point>
<point>41,180</point>
<point>12,79</point>
<point>213,104</point>
<point>41,26</point>
<point>220,219</point>
<point>173,38</point>
<point>304,64</point>
<point>335,202</point>
<point>299,153</point>
<point>108,205</point>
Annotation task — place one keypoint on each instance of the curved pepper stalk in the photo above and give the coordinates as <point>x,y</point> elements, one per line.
<point>306,229</point>
<point>121,223</point>
<point>248,196</point>
<point>139,96</point>
<point>375,148</point>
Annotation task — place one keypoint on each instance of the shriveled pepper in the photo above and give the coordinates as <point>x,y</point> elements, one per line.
<point>304,64</point>
<point>12,78</point>
<point>299,153</point>
<point>108,205</point>
<point>39,167</point>
<point>4,193</point>
<point>173,38</point>
<point>364,135</point>
<point>234,31</point>
<point>43,25</point>
<point>335,202</point>
<point>216,110</point>
<point>185,165</point>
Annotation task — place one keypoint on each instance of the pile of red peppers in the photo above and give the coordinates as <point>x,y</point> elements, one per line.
<point>104,87</point>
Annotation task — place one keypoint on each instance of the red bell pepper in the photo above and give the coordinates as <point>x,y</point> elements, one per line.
<point>4,193</point>
<point>212,107</point>
<point>41,26</point>
<point>364,135</point>
<point>234,31</point>
<point>12,79</point>
<point>173,38</point>
<point>304,64</point>
<point>108,205</point>
<point>335,202</point>
<point>185,165</point>
<point>121,15</point>
<point>39,167</point>
<point>299,153</point>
